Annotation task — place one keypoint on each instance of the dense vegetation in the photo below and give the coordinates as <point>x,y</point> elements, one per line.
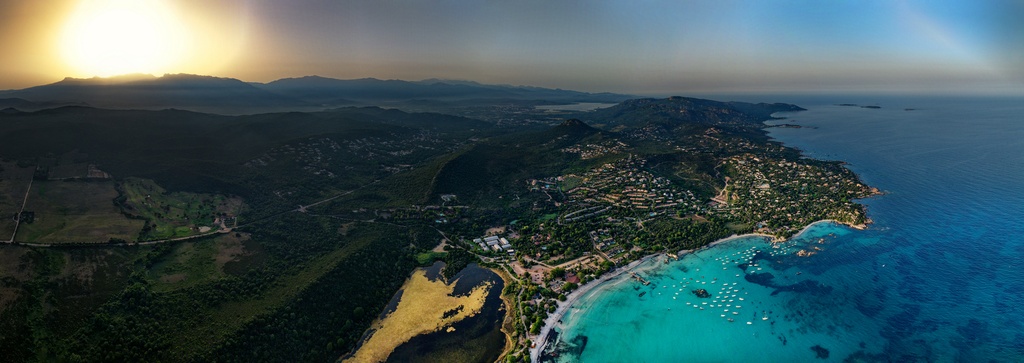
<point>303,284</point>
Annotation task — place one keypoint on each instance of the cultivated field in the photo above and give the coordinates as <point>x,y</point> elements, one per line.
<point>176,214</point>
<point>76,212</point>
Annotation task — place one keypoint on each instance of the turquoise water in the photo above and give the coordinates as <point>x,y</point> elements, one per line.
<point>938,276</point>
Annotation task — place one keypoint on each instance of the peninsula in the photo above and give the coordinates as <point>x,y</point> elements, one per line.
<point>299,213</point>
<point>715,174</point>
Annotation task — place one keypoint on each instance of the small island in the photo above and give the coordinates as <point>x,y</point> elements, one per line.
<point>861,106</point>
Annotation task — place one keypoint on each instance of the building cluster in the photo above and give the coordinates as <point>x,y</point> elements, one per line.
<point>591,151</point>
<point>326,156</point>
<point>495,243</point>
<point>775,193</point>
<point>624,184</point>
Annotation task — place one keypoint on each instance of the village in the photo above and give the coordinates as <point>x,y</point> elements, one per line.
<point>612,215</point>
<point>585,224</point>
<point>774,194</point>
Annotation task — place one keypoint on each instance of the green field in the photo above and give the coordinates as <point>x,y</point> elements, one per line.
<point>570,182</point>
<point>67,171</point>
<point>738,227</point>
<point>427,258</point>
<point>548,217</point>
<point>193,263</point>
<point>76,212</point>
<point>177,214</point>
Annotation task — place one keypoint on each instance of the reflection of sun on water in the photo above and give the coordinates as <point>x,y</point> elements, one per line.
<point>112,37</point>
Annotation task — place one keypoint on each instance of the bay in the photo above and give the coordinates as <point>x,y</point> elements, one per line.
<point>935,278</point>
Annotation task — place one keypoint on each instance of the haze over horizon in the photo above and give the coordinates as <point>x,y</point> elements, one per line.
<point>656,47</point>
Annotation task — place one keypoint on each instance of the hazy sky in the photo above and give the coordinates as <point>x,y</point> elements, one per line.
<point>623,46</point>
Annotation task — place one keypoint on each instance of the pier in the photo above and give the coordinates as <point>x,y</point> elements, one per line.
<point>639,278</point>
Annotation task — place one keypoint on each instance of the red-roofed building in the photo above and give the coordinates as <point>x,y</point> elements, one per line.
<point>571,277</point>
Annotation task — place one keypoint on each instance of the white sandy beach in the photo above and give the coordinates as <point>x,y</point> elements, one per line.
<point>563,307</point>
<point>571,299</point>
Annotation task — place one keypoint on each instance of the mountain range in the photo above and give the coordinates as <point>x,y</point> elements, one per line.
<point>233,96</point>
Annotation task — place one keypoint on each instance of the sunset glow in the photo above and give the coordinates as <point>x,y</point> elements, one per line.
<point>111,37</point>
<point>697,46</point>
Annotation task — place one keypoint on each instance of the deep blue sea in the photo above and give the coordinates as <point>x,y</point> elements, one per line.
<point>939,276</point>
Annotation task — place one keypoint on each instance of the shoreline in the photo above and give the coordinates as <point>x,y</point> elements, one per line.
<point>549,324</point>
<point>509,344</point>
<point>541,340</point>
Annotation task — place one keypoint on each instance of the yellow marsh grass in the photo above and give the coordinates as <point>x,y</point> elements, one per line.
<point>420,311</point>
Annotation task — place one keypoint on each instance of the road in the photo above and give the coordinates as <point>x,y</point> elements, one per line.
<point>17,218</point>
<point>222,230</point>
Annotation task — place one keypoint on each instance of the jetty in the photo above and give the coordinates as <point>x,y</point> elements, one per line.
<point>639,278</point>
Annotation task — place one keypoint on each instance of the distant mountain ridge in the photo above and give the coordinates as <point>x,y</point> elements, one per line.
<point>323,89</point>
<point>229,95</point>
<point>194,92</point>
<point>22,104</point>
<point>674,111</point>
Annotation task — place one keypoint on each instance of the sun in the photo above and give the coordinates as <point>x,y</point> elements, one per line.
<point>112,37</point>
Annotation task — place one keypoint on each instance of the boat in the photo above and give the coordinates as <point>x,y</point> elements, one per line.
<point>731,320</point>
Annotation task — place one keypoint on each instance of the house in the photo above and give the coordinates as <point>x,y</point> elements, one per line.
<point>571,277</point>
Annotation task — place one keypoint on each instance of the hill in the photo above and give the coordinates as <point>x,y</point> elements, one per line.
<point>311,93</point>
<point>193,92</point>
<point>330,210</point>
<point>674,111</point>
<point>332,91</point>
<point>499,165</point>
<point>251,156</point>
<point>26,105</point>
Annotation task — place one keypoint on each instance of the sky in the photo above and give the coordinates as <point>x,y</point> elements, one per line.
<point>636,46</point>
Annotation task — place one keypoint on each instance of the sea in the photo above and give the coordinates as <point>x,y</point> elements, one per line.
<point>937,277</point>
<point>581,106</point>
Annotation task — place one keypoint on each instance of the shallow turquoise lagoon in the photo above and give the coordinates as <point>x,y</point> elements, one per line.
<point>939,276</point>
